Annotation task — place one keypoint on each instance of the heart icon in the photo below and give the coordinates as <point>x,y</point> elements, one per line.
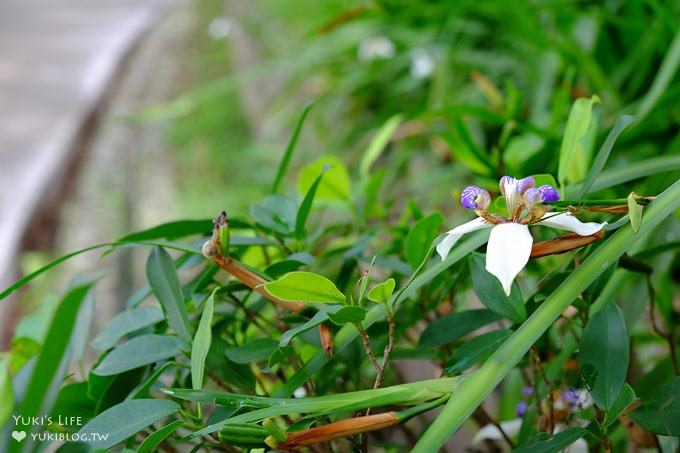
<point>19,435</point>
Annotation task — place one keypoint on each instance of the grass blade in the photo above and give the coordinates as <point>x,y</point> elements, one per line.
<point>285,162</point>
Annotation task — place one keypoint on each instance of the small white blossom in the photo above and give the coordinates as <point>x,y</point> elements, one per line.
<point>376,47</point>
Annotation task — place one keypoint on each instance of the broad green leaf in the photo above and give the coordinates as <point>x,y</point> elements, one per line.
<point>420,238</point>
<point>378,144</point>
<point>73,401</point>
<point>305,207</point>
<point>126,419</point>
<point>452,327</point>
<point>347,314</point>
<point>660,413</point>
<point>604,355</point>
<point>335,184</point>
<point>576,151</point>
<point>625,399</point>
<point>6,392</point>
<point>124,323</point>
<point>163,279</point>
<point>305,287</point>
<point>276,213</point>
<point>235,374</point>
<point>140,351</point>
<point>154,439</point>
<point>285,162</point>
<point>252,351</point>
<point>48,364</point>
<point>202,342</point>
<point>381,293</point>
<point>621,123</point>
<point>475,350</point>
<point>634,212</point>
<point>491,294</point>
<point>558,442</point>
<point>520,150</point>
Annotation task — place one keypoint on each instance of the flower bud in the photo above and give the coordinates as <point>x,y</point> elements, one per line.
<point>474,197</point>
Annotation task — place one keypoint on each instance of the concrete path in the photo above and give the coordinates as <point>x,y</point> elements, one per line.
<point>57,59</point>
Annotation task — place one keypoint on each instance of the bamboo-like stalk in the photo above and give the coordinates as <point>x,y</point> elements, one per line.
<point>476,387</point>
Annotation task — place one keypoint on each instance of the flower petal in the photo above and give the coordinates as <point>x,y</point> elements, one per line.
<point>568,222</point>
<point>452,236</point>
<point>508,252</point>
<point>491,432</point>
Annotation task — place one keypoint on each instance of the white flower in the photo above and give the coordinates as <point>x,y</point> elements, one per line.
<point>510,242</point>
<point>376,47</point>
<point>512,428</point>
<point>422,64</point>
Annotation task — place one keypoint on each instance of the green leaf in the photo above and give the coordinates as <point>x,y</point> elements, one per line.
<point>252,351</point>
<point>285,162</point>
<point>171,230</point>
<point>140,351</point>
<point>558,442</point>
<point>452,327</point>
<point>381,293</point>
<point>575,152</point>
<point>305,287</point>
<point>124,323</point>
<point>46,370</point>
<point>378,144</point>
<point>604,355</point>
<point>621,123</point>
<point>163,279</point>
<point>144,388</point>
<point>319,318</point>
<point>305,207</point>
<point>544,178</point>
<point>125,420</point>
<point>660,413</point>
<point>154,439</point>
<point>276,213</point>
<point>491,294</point>
<point>202,342</point>
<point>625,399</point>
<point>634,212</point>
<point>6,392</point>
<point>475,350</point>
<point>335,184</point>
<point>347,314</point>
<point>420,238</point>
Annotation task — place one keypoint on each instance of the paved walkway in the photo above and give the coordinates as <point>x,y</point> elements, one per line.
<point>57,59</point>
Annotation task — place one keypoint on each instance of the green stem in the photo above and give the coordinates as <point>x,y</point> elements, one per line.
<point>476,387</point>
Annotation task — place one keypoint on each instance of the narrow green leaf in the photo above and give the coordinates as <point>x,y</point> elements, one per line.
<point>6,392</point>
<point>381,293</point>
<point>574,152</point>
<point>634,212</point>
<point>621,123</point>
<point>285,162</point>
<point>421,236</point>
<point>491,294</point>
<point>604,355</point>
<point>660,413</point>
<point>625,399</point>
<point>163,279</point>
<point>452,327</point>
<point>171,230</point>
<point>305,207</point>
<point>556,443</point>
<point>124,420</point>
<point>320,317</point>
<point>475,350</point>
<point>202,342</point>
<point>143,389</point>
<point>335,184</point>
<point>49,362</point>
<point>140,351</point>
<point>378,144</point>
<point>252,351</point>
<point>124,323</point>
<point>154,439</point>
<point>305,287</point>
<point>664,76</point>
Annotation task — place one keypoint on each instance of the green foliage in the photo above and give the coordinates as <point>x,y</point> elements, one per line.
<point>660,412</point>
<point>382,292</point>
<point>335,184</point>
<point>491,294</point>
<point>202,341</point>
<point>305,287</point>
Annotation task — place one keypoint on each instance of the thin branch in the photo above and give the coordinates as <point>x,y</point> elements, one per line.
<point>367,347</point>
<point>388,350</point>
<point>488,419</point>
<point>551,400</point>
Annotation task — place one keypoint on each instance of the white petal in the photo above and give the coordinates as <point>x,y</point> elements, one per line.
<point>452,236</point>
<point>508,252</point>
<point>490,432</point>
<point>568,222</point>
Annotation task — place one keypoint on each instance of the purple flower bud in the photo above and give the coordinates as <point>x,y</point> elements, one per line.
<point>548,193</point>
<point>474,197</point>
<point>525,184</point>
<point>521,409</point>
<point>532,196</point>
<point>571,396</point>
<point>527,391</point>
